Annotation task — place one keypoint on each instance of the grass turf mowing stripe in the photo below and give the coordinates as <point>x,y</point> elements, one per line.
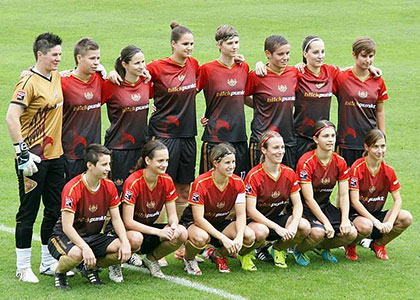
<point>173,279</point>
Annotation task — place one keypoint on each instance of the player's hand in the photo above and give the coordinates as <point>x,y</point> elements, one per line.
<point>285,234</point>
<point>204,121</point>
<point>26,73</point>
<point>101,69</point>
<point>387,227</point>
<point>146,75</point>
<point>345,227</point>
<point>239,59</point>
<point>329,231</point>
<point>260,69</point>
<point>65,73</point>
<point>229,245</point>
<point>177,231</point>
<point>375,71</point>
<point>166,233</point>
<point>124,253</point>
<point>26,160</point>
<point>238,243</point>
<point>293,227</point>
<point>301,67</point>
<point>88,257</point>
<point>114,77</point>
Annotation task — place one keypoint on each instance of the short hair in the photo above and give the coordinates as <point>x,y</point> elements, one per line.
<point>83,46</point>
<point>363,44</point>
<point>148,150</point>
<point>224,33</point>
<point>126,55</point>
<point>178,31</point>
<point>44,42</point>
<point>306,45</point>
<point>94,151</point>
<point>220,151</point>
<point>273,42</point>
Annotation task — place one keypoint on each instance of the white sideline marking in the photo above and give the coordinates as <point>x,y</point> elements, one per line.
<point>177,280</point>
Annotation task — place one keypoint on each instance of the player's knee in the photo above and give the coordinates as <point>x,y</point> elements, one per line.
<point>261,232</point>
<point>404,219</point>
<point>75,253</point>
<point>200,240</point>
<point>364,227</point>
<point>304,228</point>
<point>135,238</point>
<point>249,236</point>
<point>184,234</point>
<point>317,234</point>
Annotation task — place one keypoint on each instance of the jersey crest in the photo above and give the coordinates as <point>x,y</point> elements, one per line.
<point>135,97</point>
<point>363,94</point>
<point>282,88</point>
<point>88,95</point>
<point>232,82</point>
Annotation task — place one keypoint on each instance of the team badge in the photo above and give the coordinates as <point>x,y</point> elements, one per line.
<point>181,77</point>
<point>29,184</point>
<point>220,204</point>
<point>150,204</point>
<point>353,182</point>
<point>362,94</point>
<point>93,208</point>
<point>88,95</point>
<point>232,82</point>
<point>319,85</point>
<point>282,88</point>
<point>195,197</point>
<point>21,95</point>
<point>303,175</point>
<point>372,189</point>
<point>128,195</point>
<point>275,194</point>
<point>248,188</point>
<point>325,181</point>
<point>135,97</point>
<point>68,202</point>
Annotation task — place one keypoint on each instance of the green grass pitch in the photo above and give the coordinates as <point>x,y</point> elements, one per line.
<point>394,26</point>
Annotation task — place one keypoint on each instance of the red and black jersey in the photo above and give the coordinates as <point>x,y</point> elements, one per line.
<point>272,194</point>
<point>90,208</point>
<point>357,107</point>
<point>373,188</point>
<point>127,106</point>
<point>81,114</point>
<point>148,200</point>
<point>323,177</point>
<point>274,97</point>
<point>174,97</point>
<point>217,202</point>
<point>224,91</point>
<point>313,99</point>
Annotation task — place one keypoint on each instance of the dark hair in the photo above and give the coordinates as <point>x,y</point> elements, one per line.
<point>44,42</point>
<point>83,46</point>
<point>178,31</point>
<point>224,33</point>
<point>363,44</point>
<point>126,55</point>
<point>372,137</point>
<point>306,45</point>
<point>94,151</point>
<point>148,150</point>
<point>318,128</point>
<point>273,42</point>
<point>220,151</point>
<point>263,142</point>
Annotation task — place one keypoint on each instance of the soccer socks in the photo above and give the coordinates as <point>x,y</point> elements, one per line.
<point>191,250</point>
<point>248,248</point>
<point>23,258</point>
<point>66,264</point>
<point>164,249</point>
<point>46,258</point>
<point>109,260</point>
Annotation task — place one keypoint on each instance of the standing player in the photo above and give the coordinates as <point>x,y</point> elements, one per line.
<point>273,98</point>
<point>128,106</point>
<point>82,106</point>
<point>371,178</point>
<point>213,196</point>
<point>82,234</point>
<point>223,82</point>
<point>319,170</point>
<point>34,121</point>
<point>145,192</point>
<point>361,99</point>
<point>269,186</point>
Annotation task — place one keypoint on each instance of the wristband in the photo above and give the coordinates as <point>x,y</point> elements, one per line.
<point>20,147</point>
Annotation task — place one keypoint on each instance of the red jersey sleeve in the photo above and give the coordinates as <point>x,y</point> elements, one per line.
<point>170,187</point>
<point>202,78</point>
<point>343,169</point>
<point>354,178</point>
<point>70,197</point>
<point>251,83</point>
<point>334,71</point>
<point>394,183</point>
<point>251,185</point>
<point>115,199</point>
<point>295,182</point>
<point>153,69</point>
<point>151,90</point>
<point>240,186</point>
<point>196,194</point>
<point>383,93</point>
<point>130,190</point>
<point>107,91</point>
<point>304,171</point>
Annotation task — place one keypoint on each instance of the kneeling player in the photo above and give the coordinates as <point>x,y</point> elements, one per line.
<point>145,192</point>
<point>213,196</point>
<point>80,234</point>
<point>269,186</point>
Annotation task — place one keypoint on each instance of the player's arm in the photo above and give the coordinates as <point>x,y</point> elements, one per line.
<point>13,122</point>
<point>380,115</point>
<point>173,218</point>
<point>308,196</point>
<point>240,209</point>
<point>395,210</point>
<point>124,252</point>
<point>343,191</point>
<point>361,210</point>
<point>67,219</point>
<point>296,213</point>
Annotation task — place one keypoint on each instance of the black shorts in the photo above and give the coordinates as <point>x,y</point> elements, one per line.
<point>123,161</point>
<point>182,157</point>
<point>281,221</point>
<point>303,145</point>
<point>332,213</point>
<point>73,167</point>
<point>150,241</point>
<point>219,227</point>
<point>61,245</point>
<point>242,158</point>
<point>350,156</point>
<point>380,215</point>
<point>289,158</point>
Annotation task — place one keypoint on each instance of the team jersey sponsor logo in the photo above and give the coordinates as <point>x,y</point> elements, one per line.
<point>350,103</point>
<point>182,88</point>
<point>181,77</point>
<point>135,97</point>
<point>128,194</point>
<point>68,202</point>
<point>21,95</point>
<point>88,95</point>
<point>353,182</point>
<point>317,95</point>
<point>362,94</point>
<point>87,107</point>
<point>372,189</point>
<point>195,197</point>
<point>367,105</point>
<point>222,214</point>
<point>319,85</point>
<point>93,208</point>
<point>135,108</point>
<point>150,204</point>
<point>230,93</point>
<point>97,219</point>
<point>275,204</point>
<point>374,199</point>
<point>248,188</point>
<point>220,204</point>
<point>282,88</point>
<point>281,99</point>
<point>275,194</point>
<point>147,216</point>
<point>232,82</point>
<point>303,175</point>
<point>325,180</point>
